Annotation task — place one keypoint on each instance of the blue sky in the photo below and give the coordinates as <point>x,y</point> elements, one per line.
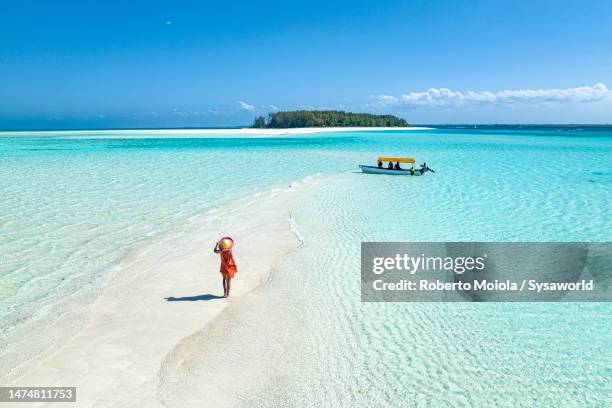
<point>90,64</point>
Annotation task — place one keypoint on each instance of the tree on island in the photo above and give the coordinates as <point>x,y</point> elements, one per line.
<point>260,122</point>
<point>304,118</point>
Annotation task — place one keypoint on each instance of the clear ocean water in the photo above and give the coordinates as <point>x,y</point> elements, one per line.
<point>71,205</point>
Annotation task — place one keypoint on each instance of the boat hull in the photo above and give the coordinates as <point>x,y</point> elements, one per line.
<point>378,170</point>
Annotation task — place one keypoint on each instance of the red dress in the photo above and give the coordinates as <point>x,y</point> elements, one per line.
<point>228,265</point>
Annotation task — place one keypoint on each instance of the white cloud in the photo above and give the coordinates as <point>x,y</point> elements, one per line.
<point>245,106</point>
<point>386,98</point>
<point>274,108</point>
<point>207,112</point>
<point>437,97</point>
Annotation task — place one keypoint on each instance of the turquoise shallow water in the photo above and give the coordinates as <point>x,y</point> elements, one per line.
<point>71,206</point>
<point>398,354</point>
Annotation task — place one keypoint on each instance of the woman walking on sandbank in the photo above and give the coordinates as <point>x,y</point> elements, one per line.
<point>228,265</point>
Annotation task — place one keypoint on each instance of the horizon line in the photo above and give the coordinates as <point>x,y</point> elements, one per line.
<point>249,127</point>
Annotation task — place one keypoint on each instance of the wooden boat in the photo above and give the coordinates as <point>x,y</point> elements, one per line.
<point>378,170</point>
<point>386,170</point>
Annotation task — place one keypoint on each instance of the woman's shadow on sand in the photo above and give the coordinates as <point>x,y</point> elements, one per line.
<point>205,297</point>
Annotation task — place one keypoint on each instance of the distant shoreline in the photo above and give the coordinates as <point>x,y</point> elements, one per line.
<point>243,127</point>
<point>228,132</point>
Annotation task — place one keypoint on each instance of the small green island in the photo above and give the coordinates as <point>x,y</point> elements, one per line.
<point>326,118</point>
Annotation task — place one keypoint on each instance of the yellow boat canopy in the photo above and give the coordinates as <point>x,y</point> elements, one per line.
<point>396,159</point>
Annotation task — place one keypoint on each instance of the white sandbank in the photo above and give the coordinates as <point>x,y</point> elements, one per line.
<point>167,291</point>
<point>191,133</point>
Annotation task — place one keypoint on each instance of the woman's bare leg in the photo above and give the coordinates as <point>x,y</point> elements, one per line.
<point>229,285</point>
<point>224,287</point>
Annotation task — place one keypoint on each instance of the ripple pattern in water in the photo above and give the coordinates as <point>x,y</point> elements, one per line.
<point>305,339</point>
<point>71,206</point>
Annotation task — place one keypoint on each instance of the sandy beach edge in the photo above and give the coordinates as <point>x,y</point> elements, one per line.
<point>169,290</point>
